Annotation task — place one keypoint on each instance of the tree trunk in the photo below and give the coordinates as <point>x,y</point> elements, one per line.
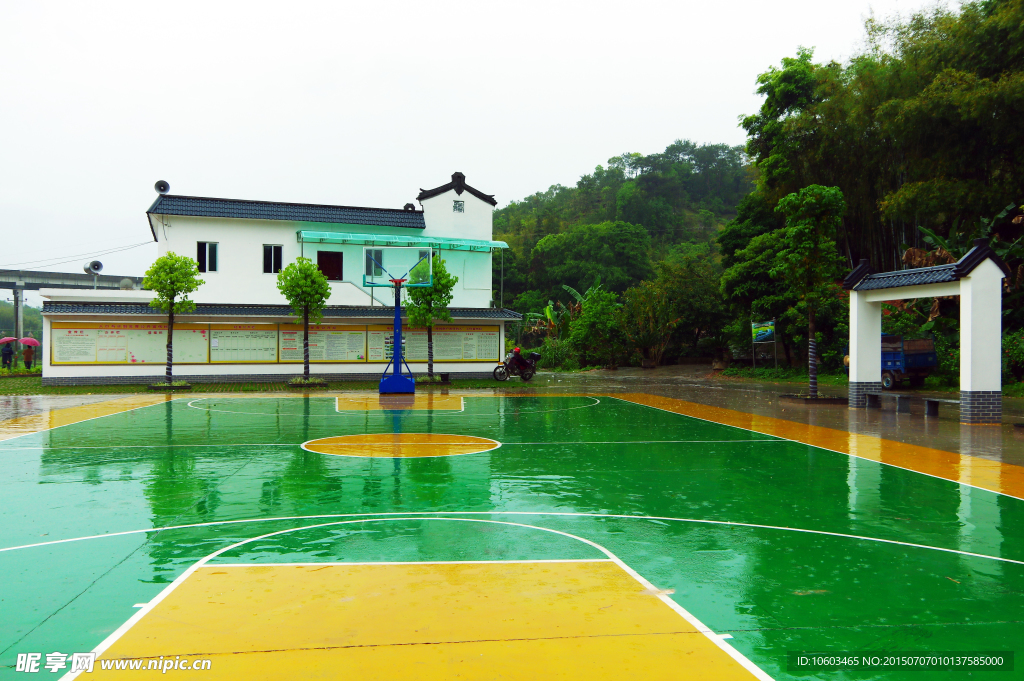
<point>812,354</point>
<point>430,351</point>
<point>305,343</point>
<point>170,344</point>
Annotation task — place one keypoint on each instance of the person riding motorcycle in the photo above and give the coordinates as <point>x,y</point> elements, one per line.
<point>520,361</point>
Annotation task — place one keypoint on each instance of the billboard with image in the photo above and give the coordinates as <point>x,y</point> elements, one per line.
<point>763,332</point>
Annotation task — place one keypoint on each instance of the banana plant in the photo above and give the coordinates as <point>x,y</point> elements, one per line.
<point>961,239</point>
<point>553,320</point>
<point>581,298</point>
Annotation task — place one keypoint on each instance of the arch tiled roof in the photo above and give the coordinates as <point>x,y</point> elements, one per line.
<point>863,279</point>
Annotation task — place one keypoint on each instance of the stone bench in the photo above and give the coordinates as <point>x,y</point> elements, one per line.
<point>931,404</point>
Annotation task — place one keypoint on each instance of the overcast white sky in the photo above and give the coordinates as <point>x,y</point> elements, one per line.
<point>359,103</point>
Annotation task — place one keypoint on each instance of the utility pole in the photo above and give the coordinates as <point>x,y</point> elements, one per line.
<point>19,326</point>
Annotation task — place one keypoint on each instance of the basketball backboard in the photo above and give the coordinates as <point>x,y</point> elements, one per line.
<point>382,264</point>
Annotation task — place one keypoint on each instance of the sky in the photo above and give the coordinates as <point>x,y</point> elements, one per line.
<point>360,104</point>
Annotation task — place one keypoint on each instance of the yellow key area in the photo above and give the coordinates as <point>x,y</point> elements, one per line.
<point>584,619</point>
<point>399,402</point>
<point>401,445</point>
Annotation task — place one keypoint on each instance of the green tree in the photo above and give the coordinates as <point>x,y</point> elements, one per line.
<point>649,315</point>
<point>919,129</point>
<point>809,259</point>
<point>615,252</point>
<point>307,290</point>
<point>595,335</point>
<point>695,285</point>
<point>172,278</point>
<point>428,305</point>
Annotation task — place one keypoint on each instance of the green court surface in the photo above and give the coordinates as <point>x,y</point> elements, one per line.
<point>783,546</point>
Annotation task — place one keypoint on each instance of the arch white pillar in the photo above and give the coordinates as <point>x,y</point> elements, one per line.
<point>865,348</point>
<point>981,328</point>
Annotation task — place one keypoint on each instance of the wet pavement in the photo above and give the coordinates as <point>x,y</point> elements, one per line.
<point>697,383</point>
<point>240,512</point>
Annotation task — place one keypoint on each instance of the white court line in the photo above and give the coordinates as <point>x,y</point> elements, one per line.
<point>566,514</point>
<point>292,444</point>
<point>834,451</point>
<point>546,411</point>
<point>412,562</point>
<point>354,414</point>
<point>91,418</point>
<point>696,623</point>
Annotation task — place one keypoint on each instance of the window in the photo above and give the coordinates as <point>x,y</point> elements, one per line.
<point>271,259</point>
<point>374,260</point>
<point>206,256</point>
<point>459,207</point>
<point>329,263</point>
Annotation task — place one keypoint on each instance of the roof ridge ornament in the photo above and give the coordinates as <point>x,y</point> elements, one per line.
<point>458,183</point>
<point>982,251</point>
<point>862,270</point>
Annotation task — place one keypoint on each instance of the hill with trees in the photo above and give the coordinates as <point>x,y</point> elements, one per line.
<point>616,221</point>
<point>916,138</point>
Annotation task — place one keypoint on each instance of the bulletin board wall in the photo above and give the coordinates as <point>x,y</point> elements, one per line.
<point>130,343</point>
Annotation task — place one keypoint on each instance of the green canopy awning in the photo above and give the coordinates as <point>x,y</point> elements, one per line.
<point>438,242</point>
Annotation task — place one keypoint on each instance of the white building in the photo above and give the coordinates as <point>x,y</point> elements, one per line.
<point>242,328</point>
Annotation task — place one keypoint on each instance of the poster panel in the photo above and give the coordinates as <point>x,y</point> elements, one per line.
<point>243,343</point>
<point>126,343</point>
<point>451,343</point>
<point>380,342</point>
<point>327,343</point>
<point>763,332</point>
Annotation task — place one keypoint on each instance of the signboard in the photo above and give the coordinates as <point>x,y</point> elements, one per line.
<point>243,343</point>
<point>327,343</point>
<point>138,343</point>
<point>126,343</point>
<point>763,332</point>
<point>451,343</point>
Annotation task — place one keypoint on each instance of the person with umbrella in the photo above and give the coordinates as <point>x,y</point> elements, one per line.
<point>29,352</point>
<point>7,352</point>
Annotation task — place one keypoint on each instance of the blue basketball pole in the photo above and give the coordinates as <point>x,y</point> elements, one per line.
<point>397,382</point>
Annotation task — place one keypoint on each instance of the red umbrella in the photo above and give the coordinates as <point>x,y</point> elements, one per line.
<point>7,339</point>
<point>29,340</point>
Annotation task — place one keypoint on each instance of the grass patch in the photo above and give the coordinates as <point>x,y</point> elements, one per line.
<point>311,382</point>
<point>1013,390</point>
<point>782,375</point>
<point>21,371</point>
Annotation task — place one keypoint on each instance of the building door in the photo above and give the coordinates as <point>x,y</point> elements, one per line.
<point>329,263</point>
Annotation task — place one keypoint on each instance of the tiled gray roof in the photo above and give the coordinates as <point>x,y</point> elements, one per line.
<point>212,310</point>
<point>861,278</point>
<point>923,275</point>
<point>166,204</point>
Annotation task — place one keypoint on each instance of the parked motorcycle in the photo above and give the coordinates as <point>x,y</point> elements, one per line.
<point>511,366</point>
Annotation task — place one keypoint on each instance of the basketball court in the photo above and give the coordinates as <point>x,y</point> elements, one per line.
<point>479,536</point>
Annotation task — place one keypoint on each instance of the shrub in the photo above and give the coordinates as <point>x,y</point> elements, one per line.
<point>1013,355</point>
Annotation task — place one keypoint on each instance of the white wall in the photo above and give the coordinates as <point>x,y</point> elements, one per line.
<point>240,279</point>
<point>475,223</point>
